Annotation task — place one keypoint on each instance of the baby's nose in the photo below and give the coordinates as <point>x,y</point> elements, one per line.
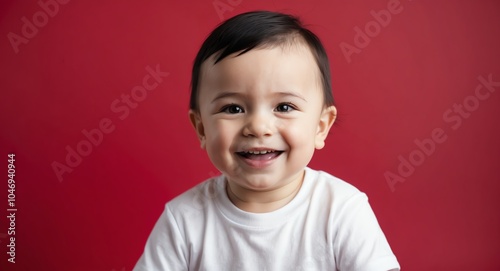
<point>259,124</point>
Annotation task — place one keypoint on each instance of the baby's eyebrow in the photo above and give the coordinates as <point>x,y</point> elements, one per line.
<point>226,94</point>
<point>289,93</point>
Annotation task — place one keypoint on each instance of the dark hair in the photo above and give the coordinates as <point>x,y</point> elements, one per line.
<point>249,30</point>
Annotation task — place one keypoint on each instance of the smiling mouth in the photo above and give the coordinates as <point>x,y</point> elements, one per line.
<point>260,155</point>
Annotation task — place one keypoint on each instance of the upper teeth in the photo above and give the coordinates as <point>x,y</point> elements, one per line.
<point>258,152</point>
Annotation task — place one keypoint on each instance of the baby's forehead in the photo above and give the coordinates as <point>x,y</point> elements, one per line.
<point>291,58</point>
<point>289,50</point>
<point>263,72</point>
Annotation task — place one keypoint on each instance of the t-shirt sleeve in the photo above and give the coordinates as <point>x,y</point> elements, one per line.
<point>165,248</point>
<point>360,244</point>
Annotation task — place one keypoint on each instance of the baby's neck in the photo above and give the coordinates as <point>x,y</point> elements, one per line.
<point>264,201</point>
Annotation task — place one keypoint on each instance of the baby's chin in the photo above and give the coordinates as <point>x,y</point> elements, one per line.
<point>259,182</point>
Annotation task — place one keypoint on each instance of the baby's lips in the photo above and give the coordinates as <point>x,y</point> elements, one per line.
<point>256,149</point>
<point>259,151</point>
<point>260,156</point>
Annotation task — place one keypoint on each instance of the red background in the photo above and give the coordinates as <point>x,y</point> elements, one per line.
<point>444,216</point>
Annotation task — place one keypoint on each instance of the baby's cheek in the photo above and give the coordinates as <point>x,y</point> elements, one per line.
<point>215,144</point>
<point>298,134</point>
<point>221,140</point>
<point>279,125</point>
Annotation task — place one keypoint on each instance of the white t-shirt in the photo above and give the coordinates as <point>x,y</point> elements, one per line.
<point>329,225</point>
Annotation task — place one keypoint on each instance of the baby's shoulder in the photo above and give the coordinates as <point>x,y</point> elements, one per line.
<point>197,199</point>
<point>333,200</point>
<point>331,196</point>
<point>331,186</point>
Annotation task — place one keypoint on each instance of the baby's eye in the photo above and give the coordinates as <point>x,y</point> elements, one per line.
<point>232,109</point>
<point>285,107</point>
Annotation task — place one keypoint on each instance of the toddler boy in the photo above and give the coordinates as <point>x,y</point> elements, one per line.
<point>261,104</point>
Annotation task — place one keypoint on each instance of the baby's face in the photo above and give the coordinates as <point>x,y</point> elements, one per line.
<point>261,115</point>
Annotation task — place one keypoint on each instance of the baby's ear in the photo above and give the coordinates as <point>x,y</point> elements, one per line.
<point>326,121</point>
<point>195,119</point>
